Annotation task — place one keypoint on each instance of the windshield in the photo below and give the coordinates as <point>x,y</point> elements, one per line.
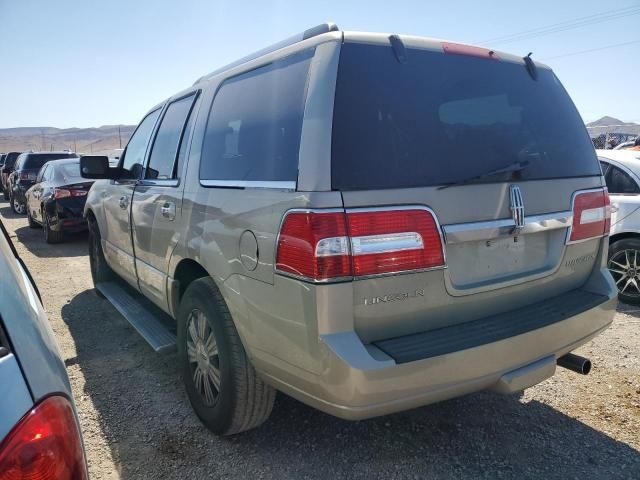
<point>439,119</point>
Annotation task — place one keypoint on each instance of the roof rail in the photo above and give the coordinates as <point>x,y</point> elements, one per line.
<point>309,33</point>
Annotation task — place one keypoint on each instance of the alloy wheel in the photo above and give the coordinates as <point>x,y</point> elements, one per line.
<point>204,359</point>
<point>17,206</point>
<point>625,269</point>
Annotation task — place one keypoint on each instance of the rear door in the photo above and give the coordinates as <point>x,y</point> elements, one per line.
<point>157,199</point>
<point>494,154</point>
<point>35,194</point>
<point>116,235</point>
<point>624,190</point>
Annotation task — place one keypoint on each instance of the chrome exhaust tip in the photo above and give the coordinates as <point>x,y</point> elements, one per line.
<point>575,363</point>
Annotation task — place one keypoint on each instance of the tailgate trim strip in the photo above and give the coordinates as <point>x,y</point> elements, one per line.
<point>474,231</point>
<point>462,336</point>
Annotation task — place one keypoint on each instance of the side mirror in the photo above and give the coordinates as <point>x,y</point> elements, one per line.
<point>96,167</point>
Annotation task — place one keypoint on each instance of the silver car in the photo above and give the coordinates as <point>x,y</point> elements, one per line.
<point>39,432</point>
<point>622,173</point>
<point>366,222</point>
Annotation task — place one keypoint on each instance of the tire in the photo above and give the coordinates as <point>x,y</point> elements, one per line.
<point>242,401</point>
<point>32,222</point>
<point>624,265</point>
<point>17,206</point>
<point>50,236</point>
<point>100,271</point>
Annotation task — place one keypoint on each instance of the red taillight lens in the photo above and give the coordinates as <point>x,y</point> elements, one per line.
<point>64,193</point>
<point>322,246</point>
<point>45,445</point>
<point>314,245</point>
<point>394,241</point>
<point>591,215</point>
<point>59,193</point>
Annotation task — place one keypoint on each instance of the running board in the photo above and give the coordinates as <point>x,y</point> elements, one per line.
<point>147,323</point>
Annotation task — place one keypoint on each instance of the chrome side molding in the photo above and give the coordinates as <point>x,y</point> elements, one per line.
<point>474,231</point>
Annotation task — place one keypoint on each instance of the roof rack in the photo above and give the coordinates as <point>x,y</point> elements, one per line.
<point>309,33</point>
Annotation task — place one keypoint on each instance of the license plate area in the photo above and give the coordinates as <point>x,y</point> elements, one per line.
<point>480,263</point>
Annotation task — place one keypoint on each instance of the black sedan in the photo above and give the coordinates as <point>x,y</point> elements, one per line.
<point>56,201</point>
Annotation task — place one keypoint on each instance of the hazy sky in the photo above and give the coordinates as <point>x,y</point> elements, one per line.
<point>79,63</point>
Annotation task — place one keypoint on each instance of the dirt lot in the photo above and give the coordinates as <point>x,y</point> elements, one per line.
<point>137,422</point>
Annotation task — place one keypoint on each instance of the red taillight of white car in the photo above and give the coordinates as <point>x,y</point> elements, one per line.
<point>45,445</point>
<point>591,215</point>
<point>337,245</point>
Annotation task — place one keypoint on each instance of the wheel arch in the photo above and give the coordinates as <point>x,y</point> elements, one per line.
<point>623,236</point>
<point>187,271</point>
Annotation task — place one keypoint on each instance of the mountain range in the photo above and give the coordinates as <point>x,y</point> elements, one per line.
<point>83,140</point>
<point>108,137</point>
<point>612,125</point>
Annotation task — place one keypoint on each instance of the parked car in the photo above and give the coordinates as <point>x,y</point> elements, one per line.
<point>56,201</point>
<point>25,173</point>
<point>39,431</point>
<point>368,223</point>
<point>7,169</point>
<point>621,169</point>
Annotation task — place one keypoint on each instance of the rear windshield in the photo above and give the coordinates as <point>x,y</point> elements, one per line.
<point>70,170</point>
<point>441,118</point>
<point>35,162</point>
<point>10,159</point>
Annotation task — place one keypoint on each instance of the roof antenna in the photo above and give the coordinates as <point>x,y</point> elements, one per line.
<point>531,66</point>
<point>398,48</point>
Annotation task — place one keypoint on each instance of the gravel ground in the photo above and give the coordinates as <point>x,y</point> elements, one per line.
<point>137,422</point>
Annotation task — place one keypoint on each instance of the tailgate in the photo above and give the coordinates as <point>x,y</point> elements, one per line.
<point>495,149</point>
<point>488,269</point>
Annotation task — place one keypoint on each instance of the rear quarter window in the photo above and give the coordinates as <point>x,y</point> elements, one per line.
<point>440,118</point>
<point>254,125</point>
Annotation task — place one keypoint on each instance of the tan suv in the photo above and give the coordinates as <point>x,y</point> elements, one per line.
<point>366,222</point>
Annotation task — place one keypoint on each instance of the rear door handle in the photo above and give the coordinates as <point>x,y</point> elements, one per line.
<point>124,202</point>
<point>168,210</point>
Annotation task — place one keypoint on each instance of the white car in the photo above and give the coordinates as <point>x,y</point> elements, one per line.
<point>621,169</point>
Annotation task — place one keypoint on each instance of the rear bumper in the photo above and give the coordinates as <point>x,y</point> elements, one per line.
<point>361,381</point>
<point>67,215</point>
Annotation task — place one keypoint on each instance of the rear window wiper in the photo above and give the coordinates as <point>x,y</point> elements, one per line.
<point>511,168</point>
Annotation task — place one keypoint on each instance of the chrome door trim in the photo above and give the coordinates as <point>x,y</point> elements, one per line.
<point>282,185</point>
<point>474,231</point>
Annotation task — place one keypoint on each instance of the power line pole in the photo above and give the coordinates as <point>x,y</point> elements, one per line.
<point>119,136</point>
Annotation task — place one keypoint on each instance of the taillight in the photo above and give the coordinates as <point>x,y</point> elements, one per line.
<point>321,246</point>
<point>391,241</point>
<point>64,193</point>
<point>314,245</point>
<point>45,445</point>
<point>591,215</point>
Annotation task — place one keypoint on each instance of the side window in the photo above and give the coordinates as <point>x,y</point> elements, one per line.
<point>254,126</point>
<point>134,154</point>
<point>619,181</point>
<point>167,142</point>
<point>604,166</point>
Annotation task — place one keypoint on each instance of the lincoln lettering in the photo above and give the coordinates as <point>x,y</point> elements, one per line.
<point>393,297</point>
